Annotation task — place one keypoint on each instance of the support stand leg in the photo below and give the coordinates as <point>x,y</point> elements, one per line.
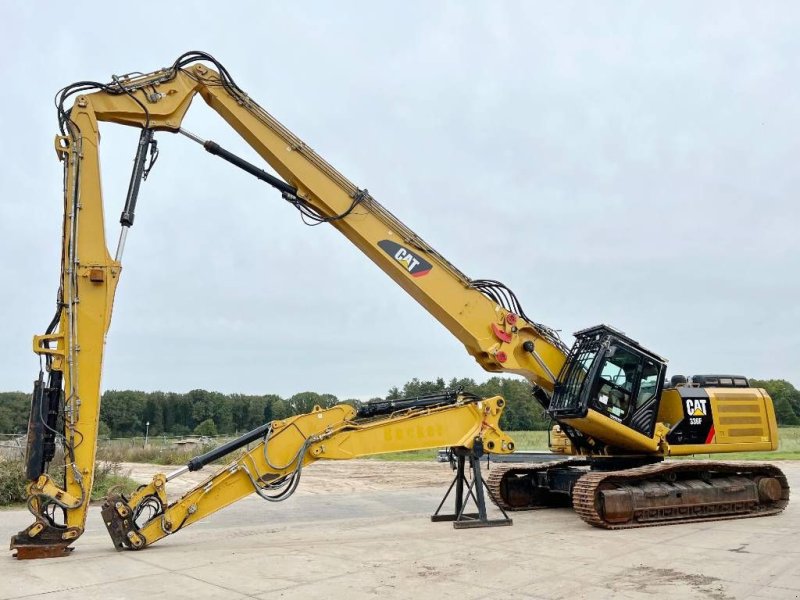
<point>469,489</point>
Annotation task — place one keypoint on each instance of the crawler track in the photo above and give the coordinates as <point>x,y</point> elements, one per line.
<point>664,493</point>
<point>509,492</point>
<point>646,496</point>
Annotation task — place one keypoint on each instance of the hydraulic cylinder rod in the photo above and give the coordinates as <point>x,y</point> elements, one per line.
<point>198,462</point>
<point>214,148</point>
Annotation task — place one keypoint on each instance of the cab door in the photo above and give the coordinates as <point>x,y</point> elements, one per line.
<point>627,388</point>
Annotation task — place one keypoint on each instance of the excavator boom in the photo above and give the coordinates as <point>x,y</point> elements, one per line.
<point>483,315</point>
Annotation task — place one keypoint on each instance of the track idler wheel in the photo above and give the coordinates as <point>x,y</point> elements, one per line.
<point>769,489</point>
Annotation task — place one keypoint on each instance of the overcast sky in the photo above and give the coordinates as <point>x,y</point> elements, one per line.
<point>631,163</point>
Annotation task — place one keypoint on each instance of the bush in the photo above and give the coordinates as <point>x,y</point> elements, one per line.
<point>106,476</point>
<point>109,475</point>
<point>207,428</point>
<point>103,430</point>
<point>12,481</point>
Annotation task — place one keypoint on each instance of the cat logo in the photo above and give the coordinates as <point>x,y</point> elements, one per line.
<point>696,407</point>
<point>412,262</point>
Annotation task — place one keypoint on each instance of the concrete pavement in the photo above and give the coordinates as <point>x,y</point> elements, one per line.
<point>381,544</point>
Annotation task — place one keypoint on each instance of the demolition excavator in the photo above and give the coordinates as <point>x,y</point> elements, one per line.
<point>616,417</point>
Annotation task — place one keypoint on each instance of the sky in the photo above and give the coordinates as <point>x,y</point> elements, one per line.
<point>629,163</point>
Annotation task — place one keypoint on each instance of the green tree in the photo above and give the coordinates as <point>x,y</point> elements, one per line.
<point>222,412</point>
<point>14,410</point>
<point>465,383</point>
<point>281,409</point>
<point>259,411</point>
<point>522,412</point>
<point>180,430</point>
<point>154,412</point>
<point>123,412</point>
<point>182,407</point>
<point>202,405</point>
<point>304,402</point>
<point>207,427</point>
<point>103,430</point>
<point>355,403</point>
<point>239,404</point>
<point>415,387</point>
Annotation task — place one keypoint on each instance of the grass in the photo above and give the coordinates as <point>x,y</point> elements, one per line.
<point>108,475</point>
<point>529,440</point>
<point>120,451</point>
<point>788,448</point>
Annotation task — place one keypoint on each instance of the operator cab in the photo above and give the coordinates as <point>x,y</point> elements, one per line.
<point>610,373</point>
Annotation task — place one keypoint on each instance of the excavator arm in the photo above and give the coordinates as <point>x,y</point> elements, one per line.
<point>483,314</point>
<point>272,467</point>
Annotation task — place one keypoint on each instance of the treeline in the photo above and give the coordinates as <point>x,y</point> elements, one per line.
<point>126,413</point>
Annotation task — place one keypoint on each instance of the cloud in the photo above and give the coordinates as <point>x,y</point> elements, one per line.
<point>611,162</point>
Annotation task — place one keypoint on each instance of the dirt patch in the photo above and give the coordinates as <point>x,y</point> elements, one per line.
<point>654,581</point>
<point>323,477</point>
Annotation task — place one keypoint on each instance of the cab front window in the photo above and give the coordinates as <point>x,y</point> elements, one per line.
<point>617,378</point>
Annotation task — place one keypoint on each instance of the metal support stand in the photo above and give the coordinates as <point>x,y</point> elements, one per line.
<point>466,489</point>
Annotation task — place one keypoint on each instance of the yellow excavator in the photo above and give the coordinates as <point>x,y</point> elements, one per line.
<point>616,417</point>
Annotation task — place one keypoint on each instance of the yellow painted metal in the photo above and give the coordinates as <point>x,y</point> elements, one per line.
<point>670,410</point>
<point>744,416</point>
<point>744,421</point>
<point>559,442</point>
<point>88,304</point>
<point>44,486</point>
<point>88,282</point>
<point>435,428</point>
<point>334,435</point>
<point>614,434</point>
<point>445,292</point>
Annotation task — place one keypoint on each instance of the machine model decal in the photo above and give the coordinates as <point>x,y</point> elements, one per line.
<point>697,425</point>
<point>413,262</point>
